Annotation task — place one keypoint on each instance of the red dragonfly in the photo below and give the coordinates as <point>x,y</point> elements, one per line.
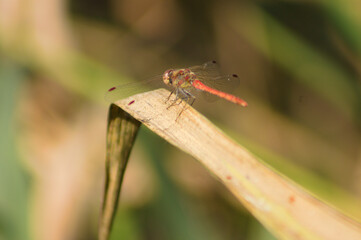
<point>186,82</point>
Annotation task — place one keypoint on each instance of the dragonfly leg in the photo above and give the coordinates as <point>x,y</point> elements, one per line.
<point>176,99</point>
<point>189,102</point>
<point>190,97</point>
<point>193,99</point>
<point>171,93</point>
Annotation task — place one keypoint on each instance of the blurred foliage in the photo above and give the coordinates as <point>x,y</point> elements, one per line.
<point>13,180</point>
<point>300,67</point>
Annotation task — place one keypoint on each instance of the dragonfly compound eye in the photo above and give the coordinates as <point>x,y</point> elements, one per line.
<point>167,77</point>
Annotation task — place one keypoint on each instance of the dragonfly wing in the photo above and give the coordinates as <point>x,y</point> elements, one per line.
<point>210,74</point>
<point>209,69</point>
<point>209,97</point>
<point>128,89</point>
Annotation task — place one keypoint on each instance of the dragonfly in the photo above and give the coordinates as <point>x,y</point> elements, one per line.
<point>187,83</point>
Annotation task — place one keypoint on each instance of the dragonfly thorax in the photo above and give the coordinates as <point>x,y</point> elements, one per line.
<point>179,78</point>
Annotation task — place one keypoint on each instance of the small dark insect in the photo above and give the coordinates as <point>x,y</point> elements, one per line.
<point>131,102</point>
<point>111,89</point>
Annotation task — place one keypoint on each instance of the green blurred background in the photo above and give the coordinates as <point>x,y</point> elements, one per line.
<point>300,68</point>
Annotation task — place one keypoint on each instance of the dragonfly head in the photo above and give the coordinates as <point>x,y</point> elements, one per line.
<point>167,77</point>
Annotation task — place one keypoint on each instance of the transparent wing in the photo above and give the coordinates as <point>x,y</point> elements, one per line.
<point>209,69</point>
<point>128,89</point>
<point>210,74</point>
